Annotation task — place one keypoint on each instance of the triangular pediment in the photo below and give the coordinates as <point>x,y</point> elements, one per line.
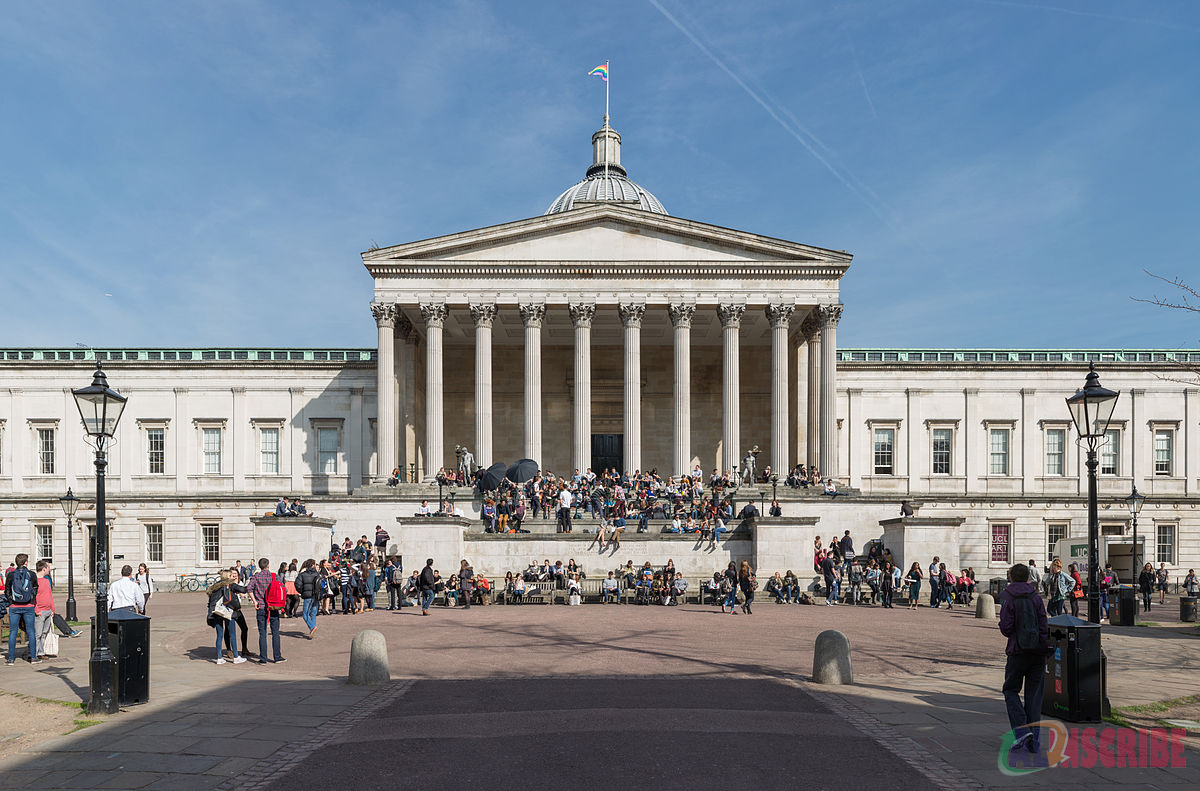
<point>604,233</point>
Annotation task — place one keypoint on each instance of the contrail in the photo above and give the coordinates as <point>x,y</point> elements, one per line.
<point>1093,14</point>
<point>770,111</point>
<point>861,79</point>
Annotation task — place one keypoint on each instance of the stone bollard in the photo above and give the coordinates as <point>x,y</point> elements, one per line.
<point>831,659</point>
<point>985,606</point>
<point>368,659</point>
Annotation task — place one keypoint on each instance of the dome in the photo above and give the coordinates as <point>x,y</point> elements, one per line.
<point>606,180</point>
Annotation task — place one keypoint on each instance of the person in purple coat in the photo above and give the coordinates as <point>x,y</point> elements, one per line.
<point>1023,621</point>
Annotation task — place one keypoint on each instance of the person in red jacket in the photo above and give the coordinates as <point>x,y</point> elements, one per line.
<point>43,606</point>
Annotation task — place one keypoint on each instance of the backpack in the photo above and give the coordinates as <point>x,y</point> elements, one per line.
<point>276,599</point>
<point>21,591</point>
<point>1029,639</point>
<point>398,577</point>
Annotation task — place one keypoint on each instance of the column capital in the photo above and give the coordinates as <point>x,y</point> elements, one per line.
<point>434,313</point>
<point>681,313</point>
<point>779,314</point>
<point>829,315</point>
<point>385,313</point>
<point>483,314</point>
<point>809,327</point>
<point>582,313</point>
<point>532,314</point>
<point>730,314</point>
<point>631,313</point>
<point>405,331</point>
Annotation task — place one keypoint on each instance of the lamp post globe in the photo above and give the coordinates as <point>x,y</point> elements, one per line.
<point>100,407</point>
<point>1091,410</point>
<point>1134,502</point>
<point>70,504</point>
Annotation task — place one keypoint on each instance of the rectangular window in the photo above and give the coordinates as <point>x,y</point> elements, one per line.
<point>1166,544</point>
<point>1000,541</point>
<point>1056,441</point>
<point>1110,453</point>
<point>885,440</point>
<point>156,444</point>
<point>45,542</point>
<point>268,443</point>
<point>943,439</point>
<point>327,444</point>
<point>46,450</point>
<point>1054,532</point>
<point>210,540</point>
<point>212,451</point>
<point>998,451</point>
<point>1164,440</point>
<point>154,543</point>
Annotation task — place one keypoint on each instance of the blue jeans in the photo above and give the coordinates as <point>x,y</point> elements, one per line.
<point>1026,670</point>
<point>222,625</point>
<point>935,596</point>
<point>606,594</point>
<point>1103,603</point>
<point>309,613</point>
<point>18,616</point>
<point>426,600</point>
<point>266,619</point>
<point>830,590</point>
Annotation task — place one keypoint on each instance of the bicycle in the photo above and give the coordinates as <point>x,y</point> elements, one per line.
<point>195,581</point>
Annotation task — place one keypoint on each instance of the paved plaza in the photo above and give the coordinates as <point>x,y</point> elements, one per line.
<point>539,696</point>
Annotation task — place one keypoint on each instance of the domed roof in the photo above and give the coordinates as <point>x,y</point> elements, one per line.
<point>606,180</point>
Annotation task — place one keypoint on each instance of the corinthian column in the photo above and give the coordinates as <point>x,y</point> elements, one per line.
<point>581,445</point>
<point>681,319</point>
<point>532,316</point>
<point>829,316</point>
<point>434,314</point>
<point>731,323</point>
<point>631,314</point>
<point>778,317</point>
<point>483,315</point>
<point>811,330</point>
<point>385,314</point>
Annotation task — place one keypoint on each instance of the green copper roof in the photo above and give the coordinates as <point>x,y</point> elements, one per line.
<point>1017,355</point>
<point>216,355</point>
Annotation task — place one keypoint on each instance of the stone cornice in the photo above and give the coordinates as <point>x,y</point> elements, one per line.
<point>610,270</point>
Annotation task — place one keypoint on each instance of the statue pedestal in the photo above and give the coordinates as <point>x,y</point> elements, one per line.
<point>281,538</point>
<point>920,538</point>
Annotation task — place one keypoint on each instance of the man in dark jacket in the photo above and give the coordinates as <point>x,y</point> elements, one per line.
<point>1023,621</point>
<point>428,581</point>
<point>393,575</point>
<point>308,585</point>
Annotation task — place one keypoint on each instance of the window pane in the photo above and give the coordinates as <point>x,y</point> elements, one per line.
<point>156,439</point>
<point>1054,532</point>
<point>998,452</point>
<point>1166,544</point>
<point>154,543</point>
<point>942,442</point>
<point>1055,442</point>
<point>1162,452</point>
<point>884,445</point>
<point>46,450</point>
<point>212,450</point>
<point>269,442</point>
<point>327,443</point>
<point>45,542</point>
<point>1110,453</point>
<point>211,541</point>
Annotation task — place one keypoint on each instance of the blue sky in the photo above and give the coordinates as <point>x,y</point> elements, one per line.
<point>208,173</point>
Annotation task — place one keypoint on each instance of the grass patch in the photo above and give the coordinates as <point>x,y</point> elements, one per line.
<point>1161,706</point>
<point>1118,720</point>
<point>70,704</point>
<point>1146,623</point>
<point>81,724</point>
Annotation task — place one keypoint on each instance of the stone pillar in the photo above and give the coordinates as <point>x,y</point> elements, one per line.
<point>631,314</point>
<point>406,376</point>
<point>829,315</point>
<point>581,444</point>
<point>434,314</point>
<point>532,316</point>
<point>731,323</point>
<point>813,341</point>
<point>681,319</point>
<point>778,317</point>
<point>483,315</point>
<point>800,396</point>
<point>385,314</point>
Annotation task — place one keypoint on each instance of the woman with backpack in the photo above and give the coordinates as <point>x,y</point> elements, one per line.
<point>1076,589</point>
<point>748,583</point>
<point>223,606</point>
<point>1146,585</point>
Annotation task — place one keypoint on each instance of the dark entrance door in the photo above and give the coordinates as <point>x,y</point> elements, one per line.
<point>608,451</point>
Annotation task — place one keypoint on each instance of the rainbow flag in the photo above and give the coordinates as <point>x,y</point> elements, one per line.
<point>602,71</point>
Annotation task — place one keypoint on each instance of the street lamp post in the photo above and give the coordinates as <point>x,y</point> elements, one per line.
<point>1135,501</point>
<point>774,487</point>
<point>1092,409</point>
<point>70,504</point>
<point>100,407</point>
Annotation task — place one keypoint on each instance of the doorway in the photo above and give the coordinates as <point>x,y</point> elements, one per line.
<point>608,451</point>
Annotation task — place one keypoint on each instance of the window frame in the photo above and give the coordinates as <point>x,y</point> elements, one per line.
<point>50,427</point>
<point>1007,525</point>
<point>317,426</point>
<point>1171,432</point>
<point>1170,546</point>
<point>1007,428</point>
<point>1115,452</point>
<point>261,426</point>
<point>203,525</point>
<point>1051,524</point>
<point>149,543</point>
<point>888,468</point>
<point>203,426</point>
<point>41,529</point>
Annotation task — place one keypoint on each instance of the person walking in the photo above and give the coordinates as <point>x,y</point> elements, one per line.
<point>43,611</point>
<point>225,592</point>
<point>146,584</point>
<point>1060,585</point>
<point>935,593</point>
<point>829,573</point>
<point>466,584</point>
<point>747,582</point>
<point>888,580</point>
<point>1161,578</point>
<point>1076,589</point>
<point>393,576</point>
<point>308,587</point>
<point>913,580</point>
<point>381,542</point>
<point>427,584</point>
<point>1024,622</point>
<point>269,599</point>
<point>1146,585</point>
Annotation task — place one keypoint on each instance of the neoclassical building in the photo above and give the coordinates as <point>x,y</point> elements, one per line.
<point>604,333</point>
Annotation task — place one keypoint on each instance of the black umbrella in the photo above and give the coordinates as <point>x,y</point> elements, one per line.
<point>522,471</point>
<point>490,478</point>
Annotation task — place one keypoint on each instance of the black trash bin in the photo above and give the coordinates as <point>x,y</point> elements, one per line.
<point>1187,609</point>
<point>1074,682</point>
<point>129,642</point>
<point>1127,607</point>
<point>996,585</point>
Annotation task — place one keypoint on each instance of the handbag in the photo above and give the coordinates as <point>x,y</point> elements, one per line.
<point>222,610</point>
<point>49,645</point>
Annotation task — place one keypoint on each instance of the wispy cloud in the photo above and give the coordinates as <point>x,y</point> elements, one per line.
<point>1136,20</point>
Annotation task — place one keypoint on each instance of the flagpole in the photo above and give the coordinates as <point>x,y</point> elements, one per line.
<point>607,77</point>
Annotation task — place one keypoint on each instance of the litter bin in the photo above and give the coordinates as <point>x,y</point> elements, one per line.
<point>129,642</point>
<point>1074,682</point>
<point>996,585</point>
<point>1127,607</point>
<point>1187,609</point>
